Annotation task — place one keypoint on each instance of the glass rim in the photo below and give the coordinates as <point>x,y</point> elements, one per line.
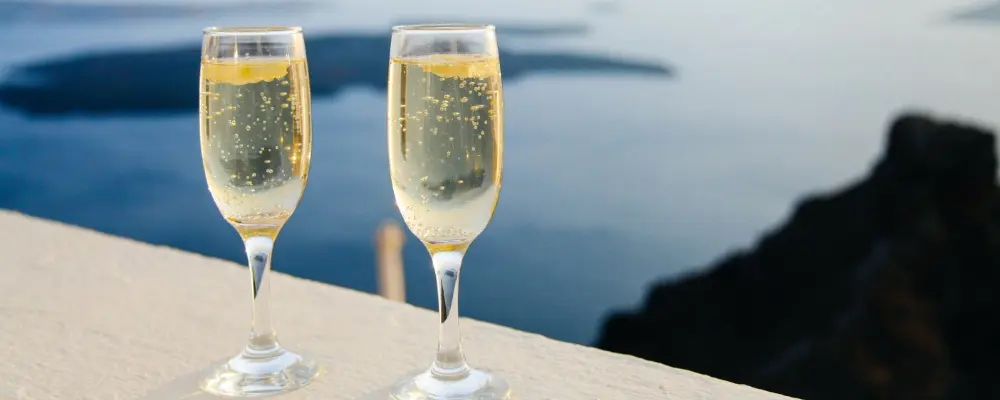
<point>443,27</point>
<point>263,30</point>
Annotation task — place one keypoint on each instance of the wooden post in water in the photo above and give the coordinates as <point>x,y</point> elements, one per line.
<point>389,240</point>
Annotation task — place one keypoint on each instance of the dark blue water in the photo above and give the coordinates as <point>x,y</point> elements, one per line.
<point>643,141</point>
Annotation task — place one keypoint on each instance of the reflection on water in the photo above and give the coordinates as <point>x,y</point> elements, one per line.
<point>159,80</point>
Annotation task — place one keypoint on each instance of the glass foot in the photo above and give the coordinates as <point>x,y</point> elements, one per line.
<point>255,375</point>
<point>477,385</point>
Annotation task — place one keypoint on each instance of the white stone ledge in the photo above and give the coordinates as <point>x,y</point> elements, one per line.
<point>84,315</point>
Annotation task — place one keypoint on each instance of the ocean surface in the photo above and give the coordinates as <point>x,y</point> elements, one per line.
<point>645,139</point>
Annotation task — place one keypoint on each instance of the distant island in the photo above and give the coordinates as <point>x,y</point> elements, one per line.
<point>159,80</point>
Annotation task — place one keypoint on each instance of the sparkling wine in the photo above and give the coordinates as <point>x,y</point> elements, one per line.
<point>256,139</point>
<point>446,144</point>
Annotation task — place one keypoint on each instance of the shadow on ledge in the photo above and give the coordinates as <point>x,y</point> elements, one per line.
<point>884,290</point>
<point>163,81</point>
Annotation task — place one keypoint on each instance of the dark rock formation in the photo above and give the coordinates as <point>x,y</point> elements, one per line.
<point>888,289</point>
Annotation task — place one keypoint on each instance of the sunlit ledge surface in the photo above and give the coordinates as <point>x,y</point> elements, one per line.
<point>90,316</point>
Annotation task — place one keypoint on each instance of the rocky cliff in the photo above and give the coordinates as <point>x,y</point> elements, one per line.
<point>888,289</point>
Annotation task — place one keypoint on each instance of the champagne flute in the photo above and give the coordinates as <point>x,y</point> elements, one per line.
<point>445,131</point>
<point>256,145</point>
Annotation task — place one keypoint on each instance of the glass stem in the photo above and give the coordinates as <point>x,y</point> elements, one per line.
<point>263,341</point>
<point>450,361</point>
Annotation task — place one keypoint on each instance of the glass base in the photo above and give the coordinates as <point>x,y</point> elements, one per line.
<point>477,385</point>
<point>256,375</point>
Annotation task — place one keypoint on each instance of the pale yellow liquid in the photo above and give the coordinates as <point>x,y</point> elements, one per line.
<point>446,145</point>
<point>256,140</point>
